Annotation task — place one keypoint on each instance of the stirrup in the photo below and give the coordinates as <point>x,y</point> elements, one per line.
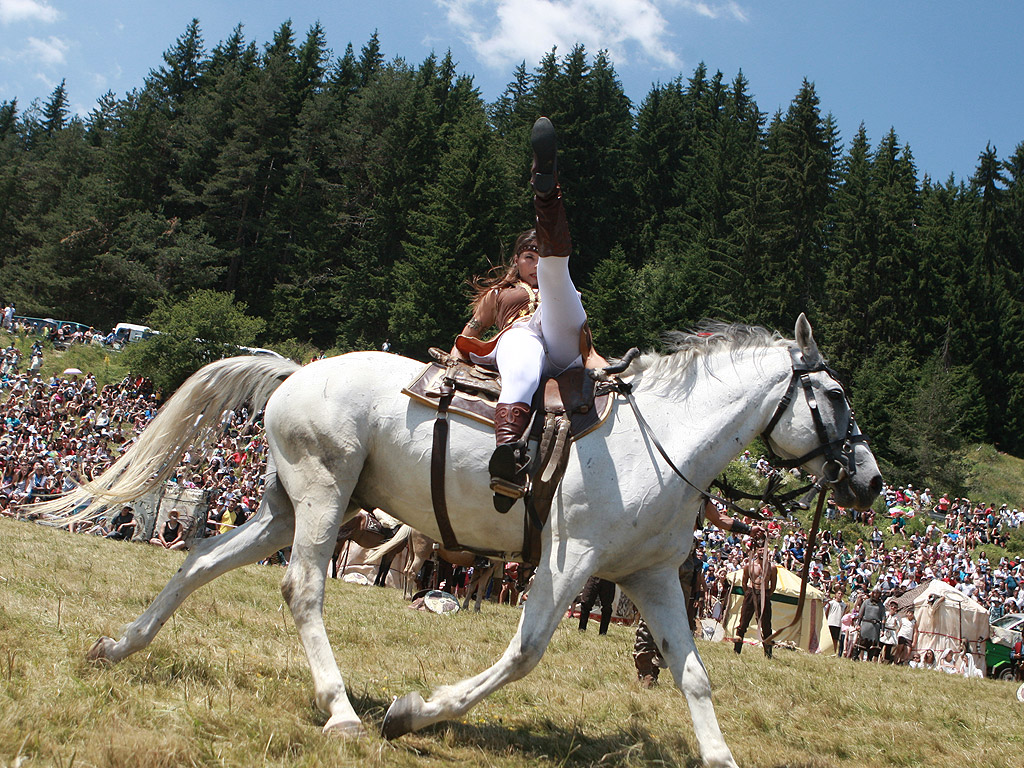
<point>508,466</point>
<point>506,494</point>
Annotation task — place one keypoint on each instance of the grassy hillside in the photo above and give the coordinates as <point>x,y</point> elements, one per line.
<point>104,362</point>
<point>226,684</point>
<point>994,476</point>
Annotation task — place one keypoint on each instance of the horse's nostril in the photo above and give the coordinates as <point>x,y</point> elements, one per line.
<point>876,484</point>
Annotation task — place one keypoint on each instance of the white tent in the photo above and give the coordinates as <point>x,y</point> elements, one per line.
<point>810,633</point>
<point>946,618</point>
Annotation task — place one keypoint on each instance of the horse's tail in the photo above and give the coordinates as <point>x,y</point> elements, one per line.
<point>192,417</point>
<point>375,555</point>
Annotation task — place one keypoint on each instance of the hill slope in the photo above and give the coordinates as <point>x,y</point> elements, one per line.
<point>225,683</point>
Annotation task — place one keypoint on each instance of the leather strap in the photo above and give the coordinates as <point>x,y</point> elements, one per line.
<point>805,571</point>
<point>552,460</point>
<point>438,454</point>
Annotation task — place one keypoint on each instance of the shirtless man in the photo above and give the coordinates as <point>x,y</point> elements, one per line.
<point>756,575</point>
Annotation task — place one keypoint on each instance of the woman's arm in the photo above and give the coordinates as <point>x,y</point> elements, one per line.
<point>484,316</point>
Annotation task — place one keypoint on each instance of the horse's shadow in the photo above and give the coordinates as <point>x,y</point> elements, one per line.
<point>543,741</point>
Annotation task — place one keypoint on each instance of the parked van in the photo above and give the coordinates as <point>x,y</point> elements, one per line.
<point>261,351</point>
<point>128,332</point>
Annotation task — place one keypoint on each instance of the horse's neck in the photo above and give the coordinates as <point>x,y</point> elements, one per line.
<point>725,403</point>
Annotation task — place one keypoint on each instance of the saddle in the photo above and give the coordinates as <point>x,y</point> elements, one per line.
<point>476,389</point>
<point>566,408</point>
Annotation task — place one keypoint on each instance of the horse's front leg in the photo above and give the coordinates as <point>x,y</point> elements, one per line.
<point>552,591</point>
<point>659,596</point>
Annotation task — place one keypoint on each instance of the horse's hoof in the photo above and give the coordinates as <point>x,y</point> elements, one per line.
<point>720,758</point>
<point>346,729</point>
<point>399,719</point>
<point>101,650</point>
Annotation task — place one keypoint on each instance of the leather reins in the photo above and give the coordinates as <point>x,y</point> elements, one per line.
<point>837,453</point>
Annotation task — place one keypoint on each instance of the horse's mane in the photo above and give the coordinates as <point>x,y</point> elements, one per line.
<point>681,349</point>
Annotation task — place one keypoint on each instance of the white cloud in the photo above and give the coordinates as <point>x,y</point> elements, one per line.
<point>714,10</point>
<point>504,32</point>
<point>49,52</point>
<point>12,11</point>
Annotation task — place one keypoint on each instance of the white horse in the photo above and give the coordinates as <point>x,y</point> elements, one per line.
<point>342,436</point>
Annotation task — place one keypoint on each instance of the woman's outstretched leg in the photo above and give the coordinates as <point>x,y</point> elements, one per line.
<point>561,308</point>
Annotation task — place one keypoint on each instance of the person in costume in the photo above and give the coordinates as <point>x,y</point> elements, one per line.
<point>647,656</point>
<point>760,580</point>
<point>539,315</point>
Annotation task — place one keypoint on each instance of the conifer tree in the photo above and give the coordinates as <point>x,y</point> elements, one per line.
<point>101,123</point>
<point>55,111</point>
<point>613,305</point>
<point>800,175</point>
<point>450,237</point>
<point>371,60</point>
<point>343,76</point>
<point>8,118</point>
<point>179,77</point>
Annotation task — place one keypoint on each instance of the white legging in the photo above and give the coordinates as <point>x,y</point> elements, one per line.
<point>550,342</point>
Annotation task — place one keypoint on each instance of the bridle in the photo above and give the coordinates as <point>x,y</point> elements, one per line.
<point>838,452</point>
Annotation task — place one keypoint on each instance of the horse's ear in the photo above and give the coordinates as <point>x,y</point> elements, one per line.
<point>805,340</point>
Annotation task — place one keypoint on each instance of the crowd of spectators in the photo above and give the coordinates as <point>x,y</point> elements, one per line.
<point>58,431</point>
<point>894,558</point>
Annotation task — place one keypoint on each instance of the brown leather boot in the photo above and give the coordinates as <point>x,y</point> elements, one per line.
<point>509,461</point>
<point>544,173</point>
<point>646,668</point>
<point>552,226</point>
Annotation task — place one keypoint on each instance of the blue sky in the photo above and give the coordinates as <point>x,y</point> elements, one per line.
<point>946,75</point>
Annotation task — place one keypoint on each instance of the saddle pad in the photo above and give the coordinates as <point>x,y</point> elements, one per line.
<point>426,389</point>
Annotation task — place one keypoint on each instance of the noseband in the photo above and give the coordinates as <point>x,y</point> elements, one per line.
<point>838,453</point>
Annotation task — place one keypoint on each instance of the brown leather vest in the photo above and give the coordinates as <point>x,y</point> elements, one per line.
<point>514,302</point>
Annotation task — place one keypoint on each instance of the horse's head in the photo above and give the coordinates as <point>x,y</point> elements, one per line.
<point>814,427</point>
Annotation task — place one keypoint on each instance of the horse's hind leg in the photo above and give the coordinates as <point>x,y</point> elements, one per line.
<point>550,594</point>
<point>319,512</point>
<point>269,530</point>
<point>481,587</point>
<point>659,597</point>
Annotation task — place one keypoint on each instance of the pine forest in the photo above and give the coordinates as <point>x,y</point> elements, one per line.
<point>344,200</point>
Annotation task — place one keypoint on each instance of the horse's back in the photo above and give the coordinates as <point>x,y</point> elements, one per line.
<point>336,388</point>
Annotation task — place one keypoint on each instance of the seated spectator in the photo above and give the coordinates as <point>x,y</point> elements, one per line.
<point>122,525</point>
<point>948,662</point>
<point>171,534</point>
<point>229,517</point>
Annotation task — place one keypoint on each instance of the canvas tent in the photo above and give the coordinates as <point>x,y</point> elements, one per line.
<point>810,633</point>
<point>946,618</point>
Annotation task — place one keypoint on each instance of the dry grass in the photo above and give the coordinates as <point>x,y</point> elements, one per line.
<point>226,684</point>
<point>995,476</point>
